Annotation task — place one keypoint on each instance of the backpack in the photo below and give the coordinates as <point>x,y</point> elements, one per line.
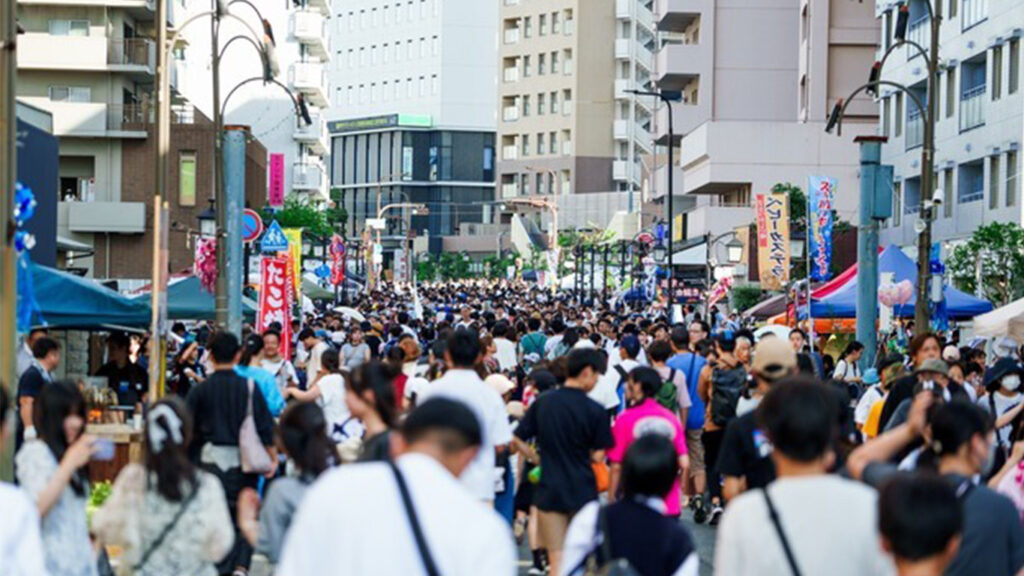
<point>667,394</point>
<point>599,561</point>
<point>726,387</point>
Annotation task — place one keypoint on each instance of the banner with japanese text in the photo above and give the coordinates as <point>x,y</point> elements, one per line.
<point>275,188</point>
<point>337,260</point>
<point>773,240</point>
<point>294,236</point>
<point>276,297</point>
<point>821,192</point>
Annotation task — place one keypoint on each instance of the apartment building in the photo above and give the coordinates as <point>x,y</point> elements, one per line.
<point>412,114</point>
<point>91,65</point>
<point>568,122</point>
<point>979,120</point>
<point>302,49</point>
<point>757,79</point>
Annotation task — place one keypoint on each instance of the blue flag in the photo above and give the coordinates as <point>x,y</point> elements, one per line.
<point>820,198</point>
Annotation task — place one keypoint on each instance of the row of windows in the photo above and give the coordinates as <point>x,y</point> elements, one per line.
<point>554,18</point>
<point>540,144</point>
<point>388,91</point>
<point>388,14</point>
<point>971,12</point>
<point>546,183</point>
<point>546,62</point>
<point>966,184</point>
<point>1005,77</point>
<point>515,107</point>
<point>391,51</point>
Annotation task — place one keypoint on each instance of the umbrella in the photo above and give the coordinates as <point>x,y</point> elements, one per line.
<point>350,313</point>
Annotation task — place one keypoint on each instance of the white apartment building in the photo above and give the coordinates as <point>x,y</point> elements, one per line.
<point>979,120</point>
<point>412,112</point>
<point>568,121</point>
<point>757,80</point>
<point>91,65</point>
<point>302,48</point>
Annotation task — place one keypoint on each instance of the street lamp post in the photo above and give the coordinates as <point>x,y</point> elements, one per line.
<point>556,182</point>
<point>930,109</point>
<point>414,209</point>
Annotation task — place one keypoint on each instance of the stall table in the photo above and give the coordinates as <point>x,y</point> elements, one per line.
<point>128,448</point>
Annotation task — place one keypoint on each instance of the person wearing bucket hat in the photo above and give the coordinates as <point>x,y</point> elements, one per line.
<point>1003,399</point>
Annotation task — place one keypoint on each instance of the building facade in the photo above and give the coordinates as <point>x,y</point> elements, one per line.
<point>979,120</point>
<point>412,112</point>
<point>302,50</point>
<point>568,122</point>
<point>757,80</point>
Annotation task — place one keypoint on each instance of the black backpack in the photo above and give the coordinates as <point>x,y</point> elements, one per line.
<point>726,388</point>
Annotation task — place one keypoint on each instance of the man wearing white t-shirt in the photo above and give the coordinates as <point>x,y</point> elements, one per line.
<point>462,383</point>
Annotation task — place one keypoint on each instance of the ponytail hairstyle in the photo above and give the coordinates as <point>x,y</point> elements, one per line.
<point>168,434</point>
<point>954,424</point>
<point>851,348</point>
<point>252,347</point>
<point>377,378</point>
<point>302,432</point>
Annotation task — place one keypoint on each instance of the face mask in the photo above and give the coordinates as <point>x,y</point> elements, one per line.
<point>928,385</point>
<point>1010,383</point>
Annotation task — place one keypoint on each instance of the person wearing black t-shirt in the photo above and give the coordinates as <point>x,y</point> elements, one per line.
<point>219,406</point>
<point>745,458</point>
<point>45,358</point>
<point>571,431</point>
<point>127,379</point>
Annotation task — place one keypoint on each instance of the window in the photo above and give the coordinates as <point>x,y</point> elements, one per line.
<point>527,27</point>
<point>886,115</point>
<point>409,50</point>
<point>997,72</point>
<point>362,56</point>
<point>972,182</point>
<point>423,47</point>
<point>70,93</point>
<point>952,8</point>
<point>351,97</point>
<point>993,182</point>
<point>526,106</point>
<point>554,62</point>
<point>526,144</point>
<point>375,19</point>
<point>435,84</point>
<point>385,91</point>
<point>540,148</point>
<point>542,25</point>
<point>423,86</point>
<point>187,179</point>
<point>541,105</point>
<point>526,67</point>
<point>541,64</point>
<point>385,51</point>
<point>556,23</point>
<point>435,45</point>
<point>1013,82</point>
<point>950,92</point>
<point>554,103</point>
<point>898,117</point>
<point>69,27</point>
<point>897,203</point>
<point>1011,178</point>
<point>373,55</point>
<point>947,193</point>
<point>351,21</point>
<point>552,143</point>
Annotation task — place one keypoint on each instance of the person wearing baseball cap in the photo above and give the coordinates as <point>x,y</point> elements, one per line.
<point>745,460</point>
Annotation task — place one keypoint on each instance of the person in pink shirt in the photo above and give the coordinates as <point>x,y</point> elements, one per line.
<point>645,416</point>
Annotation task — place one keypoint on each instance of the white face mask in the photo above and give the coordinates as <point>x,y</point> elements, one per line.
<point>1010,383</point>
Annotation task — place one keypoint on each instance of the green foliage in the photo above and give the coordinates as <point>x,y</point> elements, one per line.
<point>297,213</point>
<point>999,248</point>
<point>797,203</point>
<point>496,267</point>
<point>452,266</point>
<point>745,296</point>
<point>426,269</point>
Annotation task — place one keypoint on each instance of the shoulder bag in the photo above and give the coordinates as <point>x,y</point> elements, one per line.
<point>254,457</point>
<point>414,523</point>
<point>774,514</point>
<point>163,534</point>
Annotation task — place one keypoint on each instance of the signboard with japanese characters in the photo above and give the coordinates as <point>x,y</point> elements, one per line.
<point>276,296</point>
<point>773,240</point>
<point>337,260</point>
<point>275,188</point>
<point>820,203</point>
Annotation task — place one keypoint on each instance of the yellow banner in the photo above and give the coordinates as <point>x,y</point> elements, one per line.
<point>294,236</point>
<point>773,240</point>
<point>677,228</point>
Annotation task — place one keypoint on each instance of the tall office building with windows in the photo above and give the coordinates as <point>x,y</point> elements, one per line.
<point>568,121</point>
<point>412,115</point>
<point>978,133</point>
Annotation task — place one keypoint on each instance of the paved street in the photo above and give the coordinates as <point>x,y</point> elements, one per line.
<point>703,536</point>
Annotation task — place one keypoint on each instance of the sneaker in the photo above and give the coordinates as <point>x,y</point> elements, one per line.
<point>716,515</point>
<point>700,513</point>
<point>534,571</point>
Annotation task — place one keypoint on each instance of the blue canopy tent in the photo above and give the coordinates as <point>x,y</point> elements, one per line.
<point>69,301</point>
<point>843,302</point>
<point>186,300</point>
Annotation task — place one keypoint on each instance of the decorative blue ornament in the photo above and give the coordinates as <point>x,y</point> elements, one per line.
<point>24,204</point>
<point>23,241</point>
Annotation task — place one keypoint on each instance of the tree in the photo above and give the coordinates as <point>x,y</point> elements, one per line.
<point>297,213</point>
<point>426,268</point>
<point>745,296</point>
<point>998,248</point>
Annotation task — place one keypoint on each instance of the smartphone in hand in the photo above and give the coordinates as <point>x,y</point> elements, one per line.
<point>104,450</point>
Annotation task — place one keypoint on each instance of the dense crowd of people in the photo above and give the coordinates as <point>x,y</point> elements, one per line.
<point>438,430</point>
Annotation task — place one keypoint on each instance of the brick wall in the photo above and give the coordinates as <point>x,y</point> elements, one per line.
<point>131,255</point>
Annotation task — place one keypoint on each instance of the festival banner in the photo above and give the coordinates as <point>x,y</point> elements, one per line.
<point>820,202</point>
<point>275,188</point>
<point>294,236</point>
<point>205,264</point>
<point>337,260</point>
<point>276,297</point>
<point>773,240</point>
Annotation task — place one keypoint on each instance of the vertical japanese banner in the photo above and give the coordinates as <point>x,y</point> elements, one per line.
<point>205,265</point>
<point>821,190</point>
<point>773,240</point>
<point>275,188</point>
<point>337,260</point>
<point>275,303</point>
<point>294,236</point>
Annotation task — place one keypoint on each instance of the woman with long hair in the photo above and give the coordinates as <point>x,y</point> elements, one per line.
<point>847,369</point>
<point>328,391</point>
<point>168,516</point>
<point>371,399</point>
<point>302,435</point>
<point>52,469</point>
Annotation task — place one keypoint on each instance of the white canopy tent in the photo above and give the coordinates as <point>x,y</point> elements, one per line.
<point>1005,321</point>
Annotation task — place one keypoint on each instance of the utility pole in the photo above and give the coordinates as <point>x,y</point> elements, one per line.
<point>875,180</point>
<point>221,291</point>
<point>8,178</point>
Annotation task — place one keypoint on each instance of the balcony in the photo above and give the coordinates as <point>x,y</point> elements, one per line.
<point>313,136</point>
<point>567,148</point>
<point>621,171</point>
<point>509,190</point>
<point>94,119</point>
<point>48,52</point>
<point>512,36</point>
<point>717,219</point>
<point>567,108</point>
<point>307,176</point>
<point>132,55</point>
<point>107,217</point>
<point>510,113</point>
<point>627,49</point>
<point>915,129</point>
<point>972,108</point>
<point>310,29</point>
<point>625,130</point>
<point>511,74</point>
<point>679,64</point>
<point>676,15</point>
<point>310,78</point>
<point>974,12</point>
<point>685,119</point>
<point>633,9</point>
<point>324,6</point>
<point>510,152</point>
<point>919,31</point>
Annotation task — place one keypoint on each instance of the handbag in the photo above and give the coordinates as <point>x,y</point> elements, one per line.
<point>254,457</point>
<point>774,514</point>
<point>414,523</point>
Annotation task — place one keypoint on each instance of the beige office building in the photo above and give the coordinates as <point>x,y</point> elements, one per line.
<point>566,121</point>
<point>758,78</point>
